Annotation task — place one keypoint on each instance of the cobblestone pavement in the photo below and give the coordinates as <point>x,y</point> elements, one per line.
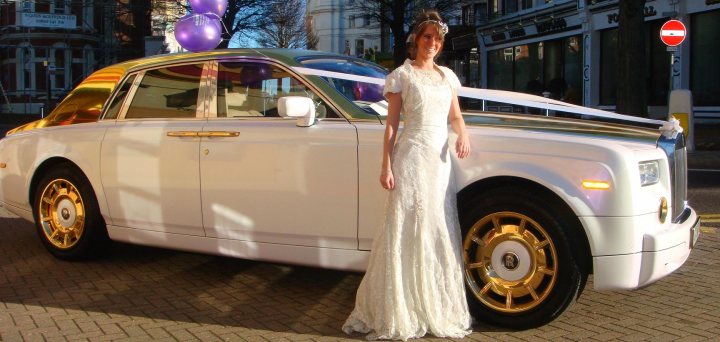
<point>139,293</point>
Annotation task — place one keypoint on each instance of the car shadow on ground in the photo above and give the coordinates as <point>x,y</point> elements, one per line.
<point>158,284</point>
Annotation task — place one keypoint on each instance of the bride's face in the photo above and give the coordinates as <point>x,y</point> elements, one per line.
<point>429,44</point>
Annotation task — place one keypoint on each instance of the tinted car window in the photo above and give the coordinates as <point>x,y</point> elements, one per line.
<point>251,89</point>
<point>114,106</point>
<point>170,92</point>
<point>360,93</point>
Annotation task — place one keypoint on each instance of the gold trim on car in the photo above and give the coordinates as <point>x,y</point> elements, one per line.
<point>510,262</point>
<point>61,213</point>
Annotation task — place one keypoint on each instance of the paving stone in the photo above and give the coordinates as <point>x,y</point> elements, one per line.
<point>145,294</point>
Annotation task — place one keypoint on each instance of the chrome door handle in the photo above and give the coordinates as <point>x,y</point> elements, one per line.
<point>182,134</point>
<point>217,134</point>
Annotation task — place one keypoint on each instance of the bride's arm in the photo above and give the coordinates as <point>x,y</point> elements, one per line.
<point>387,180</point>
<point>462,145</point>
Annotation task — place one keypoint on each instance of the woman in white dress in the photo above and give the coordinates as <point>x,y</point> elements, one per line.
<point>414,281</point>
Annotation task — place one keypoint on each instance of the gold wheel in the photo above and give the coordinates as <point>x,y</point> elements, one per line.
<point>510,262</point>
<point>61,213</point>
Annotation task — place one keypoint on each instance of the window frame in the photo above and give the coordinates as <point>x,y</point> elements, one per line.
<point>125,103</point>
<point>25,56</point>
<point>211,112</point>
<point>60,7</point>
<point>201,107</point>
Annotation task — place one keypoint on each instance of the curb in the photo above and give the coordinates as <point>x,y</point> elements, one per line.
<point>703,160</point>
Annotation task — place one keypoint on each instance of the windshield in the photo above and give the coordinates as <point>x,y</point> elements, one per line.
<point>367,96</point>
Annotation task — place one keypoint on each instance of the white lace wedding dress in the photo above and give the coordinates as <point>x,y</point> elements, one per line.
<point>414,281</point>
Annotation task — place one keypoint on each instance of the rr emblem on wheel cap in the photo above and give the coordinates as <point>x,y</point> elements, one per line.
<point>65,214</point>
<point>510,261</point>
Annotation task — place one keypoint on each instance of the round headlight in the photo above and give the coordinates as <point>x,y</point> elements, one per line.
<point>663,210</point>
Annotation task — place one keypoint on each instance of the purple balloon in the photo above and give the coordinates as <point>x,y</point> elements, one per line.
<point>198,32</point>
<point>368,92</point>
<point>216,7</point>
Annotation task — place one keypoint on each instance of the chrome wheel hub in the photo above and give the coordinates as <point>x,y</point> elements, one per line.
<point>511,260</point>
<point>67,212</point>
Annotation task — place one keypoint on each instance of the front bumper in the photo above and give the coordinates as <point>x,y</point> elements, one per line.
<point>662,253</point>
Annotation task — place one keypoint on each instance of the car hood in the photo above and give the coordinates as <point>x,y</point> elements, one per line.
<point>567,126</point>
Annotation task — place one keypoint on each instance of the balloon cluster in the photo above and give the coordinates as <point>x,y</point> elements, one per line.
<point>202,29</point>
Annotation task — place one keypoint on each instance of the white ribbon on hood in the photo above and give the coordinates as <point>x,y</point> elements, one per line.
<point>668,128</point>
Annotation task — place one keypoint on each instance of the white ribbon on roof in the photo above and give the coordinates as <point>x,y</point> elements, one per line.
<point>508,97</point>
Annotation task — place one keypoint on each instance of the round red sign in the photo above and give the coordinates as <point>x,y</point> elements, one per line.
<point>672,33</point>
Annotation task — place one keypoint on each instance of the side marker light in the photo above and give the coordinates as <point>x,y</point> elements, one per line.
<point>595,185</point>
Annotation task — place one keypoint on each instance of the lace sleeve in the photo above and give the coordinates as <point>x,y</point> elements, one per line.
<point>393,82</point>
<point>452,78</point>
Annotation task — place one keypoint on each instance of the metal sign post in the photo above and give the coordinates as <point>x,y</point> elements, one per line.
<point>672,33</point>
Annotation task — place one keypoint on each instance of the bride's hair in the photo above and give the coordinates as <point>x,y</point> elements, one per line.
<point>429,17</point>
<point>422,21</point>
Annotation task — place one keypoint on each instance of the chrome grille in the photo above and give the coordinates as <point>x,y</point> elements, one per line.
<point>677,161</point>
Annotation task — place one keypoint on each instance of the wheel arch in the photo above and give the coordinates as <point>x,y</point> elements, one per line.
<point>568,217</point>
<point>43,168</point>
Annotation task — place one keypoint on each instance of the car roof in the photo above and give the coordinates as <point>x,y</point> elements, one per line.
<point>286,56</point>
<point>96,88</point>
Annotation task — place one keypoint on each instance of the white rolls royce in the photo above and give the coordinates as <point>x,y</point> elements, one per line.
<point>274,155</point>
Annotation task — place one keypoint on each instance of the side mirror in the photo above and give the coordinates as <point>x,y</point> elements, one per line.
<point>299,107</point>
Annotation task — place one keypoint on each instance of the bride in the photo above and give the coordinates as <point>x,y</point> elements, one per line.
<point>414,281</point>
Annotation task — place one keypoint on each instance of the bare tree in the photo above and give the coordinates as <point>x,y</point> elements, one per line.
<point>132,23</point>
<point>242,17</point>
<point>284,25</point>
<point>398,15</point>
<point>631,56</point>
<point>311,38</point>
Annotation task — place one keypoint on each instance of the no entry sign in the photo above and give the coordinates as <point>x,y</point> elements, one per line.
<point>672,33</point>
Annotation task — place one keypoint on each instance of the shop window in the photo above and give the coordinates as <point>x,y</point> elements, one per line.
<point>351,22</point>
<point>500,69</point>
<point>572,70</point>
<point>608,61</point>
<point>551,68</point>
<point>704,69</point>
<point>528,71</point>
<point>657,66</point>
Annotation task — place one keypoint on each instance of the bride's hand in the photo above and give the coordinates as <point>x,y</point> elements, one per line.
<point>387,180</point>
<point>462,146</point>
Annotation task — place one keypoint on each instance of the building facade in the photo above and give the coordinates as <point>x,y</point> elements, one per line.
<point>342,29</point>
<point>48,47</point>
<point>566,49</point>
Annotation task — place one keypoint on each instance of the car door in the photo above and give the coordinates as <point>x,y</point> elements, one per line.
<point>149,160</point>
<point>263,178</point>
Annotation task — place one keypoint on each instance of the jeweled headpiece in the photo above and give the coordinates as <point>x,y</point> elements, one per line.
<point>443,26</point>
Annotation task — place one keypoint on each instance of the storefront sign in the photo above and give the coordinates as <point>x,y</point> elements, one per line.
<point>465,42</point>
<point>551,25</point>
<point>498,37</point>
<point>48,20</point>
<point>517,33</point>
<point>649,12</point>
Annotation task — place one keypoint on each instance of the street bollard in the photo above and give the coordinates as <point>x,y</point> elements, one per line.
<point>680,107</point>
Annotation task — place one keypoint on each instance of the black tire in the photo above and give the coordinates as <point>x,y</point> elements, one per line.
<point>534,265</point>
<point>66,214</point>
